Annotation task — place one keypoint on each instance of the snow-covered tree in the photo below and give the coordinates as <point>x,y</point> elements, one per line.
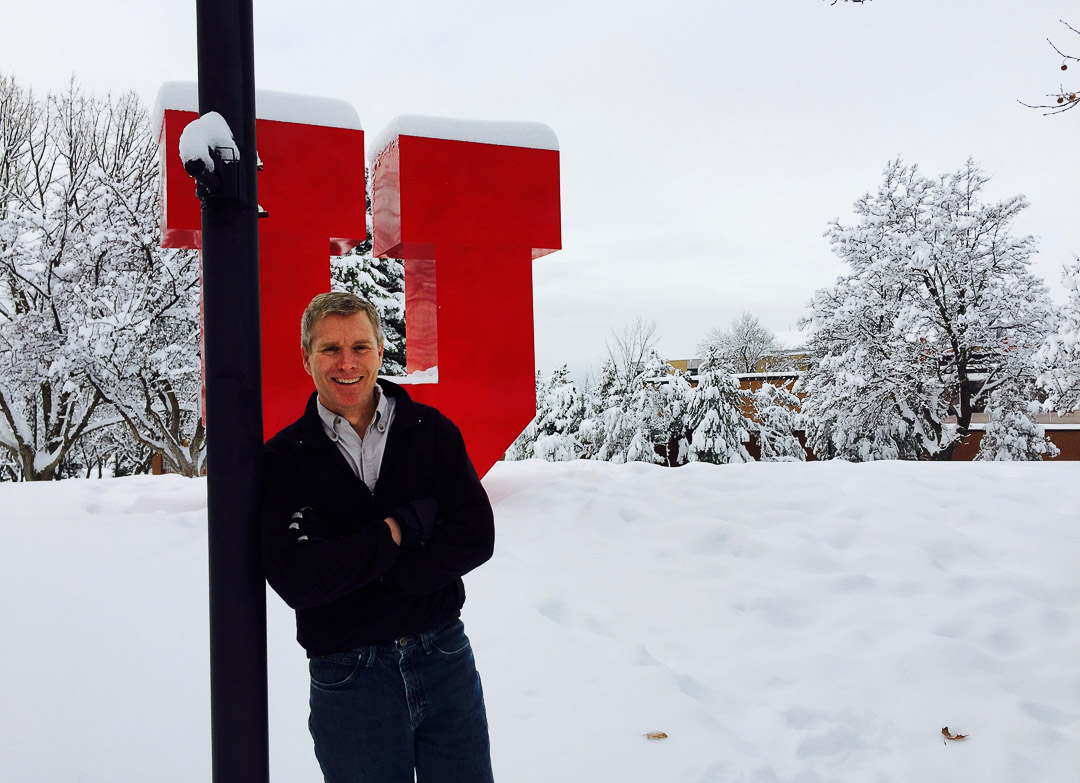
<point>1060,354</point>
<point>559,412</point>
<point>746,345</point>
<point>146,358</point>
<point>554,433</point>
<point>157,395</point>
<point>939,309</point>
<point>775,420</point>
<point>715,417</point>
<point>611,419</point>
<point>863,401</point>
<point>1012,432</point>
<point>594,395</point>
<point>644,419</point>
<point>46,401</point>
<point>106,451</point>
<point>655,415</point>
<point>88,299</point>
<point>677,395</point>
<point>628,350</point>
<point>609,432</point>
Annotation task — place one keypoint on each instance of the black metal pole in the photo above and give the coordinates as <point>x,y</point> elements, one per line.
<point>231,353</point>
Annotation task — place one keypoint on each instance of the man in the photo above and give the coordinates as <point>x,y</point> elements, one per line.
<point>372,512</point>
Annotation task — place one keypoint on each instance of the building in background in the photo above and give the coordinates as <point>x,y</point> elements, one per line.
<point>785,369</point>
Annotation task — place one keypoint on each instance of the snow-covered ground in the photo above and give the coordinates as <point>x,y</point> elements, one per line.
<point>779,622</point>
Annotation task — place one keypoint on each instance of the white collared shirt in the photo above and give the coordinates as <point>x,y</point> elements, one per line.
<point>364,454</point>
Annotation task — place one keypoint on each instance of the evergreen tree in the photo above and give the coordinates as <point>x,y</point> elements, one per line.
<point>678,395</point>
<point>1013,432</point>
<point>619,429</point>
<point>715,418</point>
<point>621,416</point>
<point>776,418</point>
<point>591,434</point>
<point>608,429</point>
<point>560,412</point>
<point>647,416</point>
<point>657,413</point>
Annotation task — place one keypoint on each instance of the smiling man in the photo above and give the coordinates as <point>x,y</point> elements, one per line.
<point>372,513</point>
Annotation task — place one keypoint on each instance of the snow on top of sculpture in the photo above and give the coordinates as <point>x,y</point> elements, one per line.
<point>210,131</point>
<point>532,135</point>
<point>269,105</point>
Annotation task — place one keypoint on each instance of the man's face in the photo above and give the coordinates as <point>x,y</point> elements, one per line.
<point>344,362</point>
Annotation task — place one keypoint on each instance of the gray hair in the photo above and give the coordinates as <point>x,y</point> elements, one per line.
<point>336,303</point>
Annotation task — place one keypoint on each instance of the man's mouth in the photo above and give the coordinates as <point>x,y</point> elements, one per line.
<point>346,381</point>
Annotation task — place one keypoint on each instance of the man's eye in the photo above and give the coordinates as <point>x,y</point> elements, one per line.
<point>330,349</point>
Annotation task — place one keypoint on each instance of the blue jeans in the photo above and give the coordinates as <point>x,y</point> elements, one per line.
<point>378,713</point>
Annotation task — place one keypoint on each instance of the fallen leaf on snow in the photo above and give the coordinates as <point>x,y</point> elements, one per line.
<point>950,736</point>
<point>656,735</point>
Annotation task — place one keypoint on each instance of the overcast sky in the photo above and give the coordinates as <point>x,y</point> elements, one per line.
<point>704,145</point>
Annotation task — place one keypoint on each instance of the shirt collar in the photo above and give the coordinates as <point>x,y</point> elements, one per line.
<point>333,421</point>
<point>379,421</point>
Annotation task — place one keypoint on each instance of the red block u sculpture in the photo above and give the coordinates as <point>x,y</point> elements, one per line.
<point>469,205</point>
<point>312,188</point>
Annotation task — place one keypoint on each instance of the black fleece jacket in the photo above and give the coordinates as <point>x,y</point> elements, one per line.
<point>352,585</point>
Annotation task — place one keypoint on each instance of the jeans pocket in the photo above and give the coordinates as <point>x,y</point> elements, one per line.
<point>451,640</point>
<point>337,669</point>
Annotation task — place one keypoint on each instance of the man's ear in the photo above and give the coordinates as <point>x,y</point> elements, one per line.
<point>306,360</point>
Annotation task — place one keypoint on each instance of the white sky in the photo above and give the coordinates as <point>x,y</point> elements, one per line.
<point>704,144</point>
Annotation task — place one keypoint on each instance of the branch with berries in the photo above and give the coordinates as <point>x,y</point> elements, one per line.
<point>1063,99</point>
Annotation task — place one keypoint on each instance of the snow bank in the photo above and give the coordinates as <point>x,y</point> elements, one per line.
<point>269,105</point>
<point>779,622</point>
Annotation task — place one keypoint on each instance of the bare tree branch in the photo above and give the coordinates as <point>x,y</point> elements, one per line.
<point>1063,100</point>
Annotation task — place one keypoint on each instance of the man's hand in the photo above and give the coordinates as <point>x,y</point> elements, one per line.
<point>307,525</point>
<point>416,520</point>
<point>395,529</point>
